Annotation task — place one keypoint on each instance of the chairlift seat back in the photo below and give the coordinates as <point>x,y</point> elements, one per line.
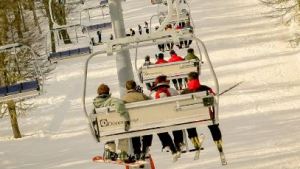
<point>3,91</point>
<point>152,116</point>
<point>13,89</point>
<point>172,70</point>
<point>69,53</point>
<point>102,26</point>
<point>31,85</point>
<point>103,2</point>
<point>74,52</point>
<point>85,50</point>
<point>154,2</point>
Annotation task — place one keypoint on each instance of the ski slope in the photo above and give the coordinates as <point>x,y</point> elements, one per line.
<point>260,118</point>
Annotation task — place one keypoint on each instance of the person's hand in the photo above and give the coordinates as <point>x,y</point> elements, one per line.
<point>127,125</point>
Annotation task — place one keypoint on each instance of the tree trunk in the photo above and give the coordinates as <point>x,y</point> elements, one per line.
<point>18,20</point>
<point>52,37</point>
<point>35,18</point>
<point>13,118</point>
<point>60,17</point>
<point>22,16</point>
<point>4,25</point>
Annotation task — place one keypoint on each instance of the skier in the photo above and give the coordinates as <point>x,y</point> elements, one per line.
<point>176,58</point>
<point>191,55</point>
<point>161,47</point>
<point>194,84</point>
<point>169,45</point>
<point>140,29</point>
<point>188,26</point>
<point>146,27</point>
<point>132,32</point>
<point>111,37</point>
<point>162,89</point>
<point>99,36</point>
<point>104,99</point>
<point>134,95</point>
<point>160,59</point>
<point>93,42</point>
<point>147,63</point>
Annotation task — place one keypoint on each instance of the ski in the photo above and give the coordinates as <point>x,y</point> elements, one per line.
<point>230,88</point>
<point>222,155</point>
<point>100,159</point>
<point>197,152</point>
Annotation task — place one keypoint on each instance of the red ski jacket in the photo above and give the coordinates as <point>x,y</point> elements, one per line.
<point>160,61</point>
<point>175,58</point>
<point>162,91</point>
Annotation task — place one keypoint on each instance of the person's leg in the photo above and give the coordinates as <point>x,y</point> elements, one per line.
<point>180,83</point>
<point>147,142</point>
<point>192,132</point>
<point>110,150</point>
<point>178,139</point>
<point>174,81</point>
<point>136,144</point>
<point>166,140</point>
<point>123,147</point>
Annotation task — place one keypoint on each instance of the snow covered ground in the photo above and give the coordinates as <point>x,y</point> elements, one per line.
<point>260,118</point>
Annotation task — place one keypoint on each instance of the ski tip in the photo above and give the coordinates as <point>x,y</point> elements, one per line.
<point>97,158</point>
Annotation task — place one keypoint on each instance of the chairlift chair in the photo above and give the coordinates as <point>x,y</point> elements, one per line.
<point>180,112</point>
<point>80,45</point>
<point>71,2</point>
<point>95,22</point>
<point>174,101</point>
<point>27,87</point>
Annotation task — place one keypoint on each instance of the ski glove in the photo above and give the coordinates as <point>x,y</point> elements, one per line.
<point>127,125</point>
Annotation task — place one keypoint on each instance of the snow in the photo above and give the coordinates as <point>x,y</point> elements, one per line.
<point>259,119</point>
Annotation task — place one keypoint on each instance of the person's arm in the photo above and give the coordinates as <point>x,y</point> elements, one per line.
<point>120,108</point>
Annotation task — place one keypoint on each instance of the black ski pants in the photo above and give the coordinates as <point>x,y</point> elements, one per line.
<point>139,148</point>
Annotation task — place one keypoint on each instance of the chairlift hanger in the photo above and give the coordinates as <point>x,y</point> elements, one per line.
<point>26,89</point>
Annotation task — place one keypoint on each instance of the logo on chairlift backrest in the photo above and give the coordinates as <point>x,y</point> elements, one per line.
<point>106,123</point>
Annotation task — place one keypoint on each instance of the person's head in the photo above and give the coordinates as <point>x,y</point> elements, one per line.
<point>172,52</point>
<point>161,81</point>
<point>103,89</point>
<point>147,58</point>
<point>160,56</point>
<point>190,50</point>
<point>130,85</point>
<point>193,75</point>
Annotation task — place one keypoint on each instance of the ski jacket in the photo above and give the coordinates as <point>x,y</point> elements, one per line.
<point>165,92</point>
<point>175,58</point>
<point>191,56</point>
<point>195,86</point>
<point>160,61</point>
<point>134,96</point>
<point>107,100</point>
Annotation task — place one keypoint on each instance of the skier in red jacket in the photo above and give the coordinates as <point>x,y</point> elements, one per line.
<point>176,58</point>
<point>160,59</point>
